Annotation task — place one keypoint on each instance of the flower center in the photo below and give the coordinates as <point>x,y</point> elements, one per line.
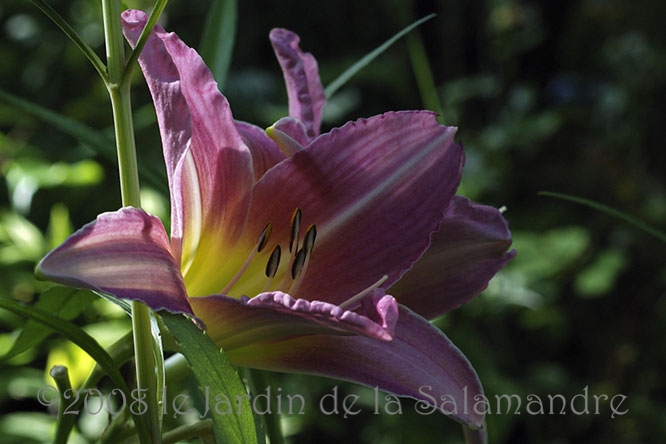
<point>287,272</point>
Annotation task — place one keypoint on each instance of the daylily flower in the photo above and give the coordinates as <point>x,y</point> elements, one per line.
<point>285,242</point>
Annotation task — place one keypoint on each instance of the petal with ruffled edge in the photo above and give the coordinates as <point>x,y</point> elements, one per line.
<point>420,362</point>
<point>205,155</point>
<point>375,189</point>
<point>126,254</point>
<point>301,75</point>
<point>274,316</point>
<point>467,251</point>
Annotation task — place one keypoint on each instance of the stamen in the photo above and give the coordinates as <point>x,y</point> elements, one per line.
<point>273,262</point>
<point>272,266</point>
<point>310,237</point>
<point>261,243</point>
<point>302,259</point>
<point>354,301</point>
<point>265,235</point>
<point>295,229</point>
<point>299,262</point>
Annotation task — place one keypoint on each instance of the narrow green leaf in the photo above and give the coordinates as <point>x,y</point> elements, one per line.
<point>73,36</point>
<point>83,340</point>
<point>95,140</point>
<point>356,67</point>
<point>423,74</point>
<point>71,332</point>
<point>62,302</point>
<point>215,374</point>
<point>610,211</point>
<point>158,359</point>
<point>218,38</point>
<point>143,38</point>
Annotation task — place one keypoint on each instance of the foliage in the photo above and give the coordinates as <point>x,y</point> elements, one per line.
<point>557,96</point>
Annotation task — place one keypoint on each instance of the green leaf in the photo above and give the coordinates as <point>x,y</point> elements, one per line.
<point>20,240</point>
<point>217,42</point>
<point>83,340</point>
<point>154,16</point>
<point>356,67</point>
<point>60,226</point>
<point>611,212</point>
<point>214,372</point>
<point>62,302</point>
<point>74,37</point>
<point>99,142</point>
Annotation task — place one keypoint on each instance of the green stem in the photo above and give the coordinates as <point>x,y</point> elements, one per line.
<point>119,91</point>
<point>65,422</point>
<point>124,131</point>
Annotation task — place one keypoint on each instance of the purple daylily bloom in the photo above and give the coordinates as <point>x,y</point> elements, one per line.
<point>285,241</point>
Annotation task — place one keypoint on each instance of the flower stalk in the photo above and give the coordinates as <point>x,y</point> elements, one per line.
<point>118,86</point>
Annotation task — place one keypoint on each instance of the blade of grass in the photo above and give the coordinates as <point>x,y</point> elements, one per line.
<point>80,338</point>
<point>95,140</point>
<point>74,37</point>
<point>143,38</point>
<point>217,41</point>
<point>610,211</point>
<point>424,78</point>
<point>356,67</point>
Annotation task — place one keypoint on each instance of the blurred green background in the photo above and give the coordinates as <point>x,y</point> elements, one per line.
<point>566,96</point>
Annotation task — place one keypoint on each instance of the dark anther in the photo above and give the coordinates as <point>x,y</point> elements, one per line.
<point>295,228</point>
<point>273,262</point>
<point>265,235</point>
<point>299,261</point>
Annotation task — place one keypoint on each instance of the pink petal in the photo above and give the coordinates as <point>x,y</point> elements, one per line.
<point>209,166</point>
<point>469,248</point>
<point>124,253</point>
<point>420,362</point>
<point>375,189</point>
<point>272,316</point>
<point>301,75</point>
<point>265,153</point>
<point>294,128</point>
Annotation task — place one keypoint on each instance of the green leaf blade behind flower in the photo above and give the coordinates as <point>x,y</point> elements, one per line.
<point>74,37</point>
<point>83,340</point>
<point>217,41</point>
<point>610,211</point>
<point>63,302</point>
<point>216,374</point>
<point>356,67</point>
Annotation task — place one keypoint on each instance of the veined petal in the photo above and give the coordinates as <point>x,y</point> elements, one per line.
<point>301,75</point>
<point>375,189</point>
<point>420,362</point>
<point>236,323</point>
<point>125,253</point>
<point>467,251</point>
<point>265,153</point>
<point>209,166</point>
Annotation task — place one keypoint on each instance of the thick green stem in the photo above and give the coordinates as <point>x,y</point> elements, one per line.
<point>124,131</point>
<point>119,90</point>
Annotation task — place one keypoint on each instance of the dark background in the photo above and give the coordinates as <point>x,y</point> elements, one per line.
<point>563,96</point>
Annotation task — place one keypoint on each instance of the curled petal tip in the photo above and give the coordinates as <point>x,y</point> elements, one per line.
<point>124,253</point>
